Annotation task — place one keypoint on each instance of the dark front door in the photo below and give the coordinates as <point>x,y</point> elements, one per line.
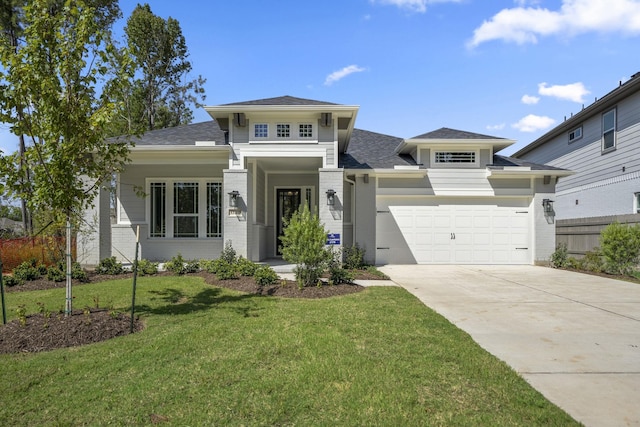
<point>288,202</point>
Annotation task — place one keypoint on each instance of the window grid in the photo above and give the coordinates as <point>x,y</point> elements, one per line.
<point>185,209</point>
<point>283,130</point>
<point>455,157</point>
<point>305,130</point>
<point>261,130</point>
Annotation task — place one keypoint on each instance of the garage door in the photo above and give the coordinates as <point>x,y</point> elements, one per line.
<point>463,232</point>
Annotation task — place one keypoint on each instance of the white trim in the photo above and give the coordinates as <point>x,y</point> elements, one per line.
<point>450,165</point>
<point>289,153</point>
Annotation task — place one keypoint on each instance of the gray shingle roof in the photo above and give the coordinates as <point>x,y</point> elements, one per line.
<point>183,135</point>
<point>370,150</point>
<point>283,100</point>
<point>502,161</point>
<point>447,133</point>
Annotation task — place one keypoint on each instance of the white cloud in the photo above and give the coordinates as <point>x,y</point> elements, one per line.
<point>572,92</point>
<point>533,123</point>
<point>341,74</point>
<point>525,24</point>
<point>496,127</point>
<point>413,5</point>
<point>529,100</point>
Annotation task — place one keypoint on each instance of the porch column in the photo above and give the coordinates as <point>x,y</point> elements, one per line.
<point>236,221</point>
<point>332,215</point>
<point>94,235</point>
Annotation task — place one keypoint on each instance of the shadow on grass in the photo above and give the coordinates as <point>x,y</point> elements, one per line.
<point>177,302</point>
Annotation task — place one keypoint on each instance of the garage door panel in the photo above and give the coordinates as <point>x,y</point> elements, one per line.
<point>445,233</point>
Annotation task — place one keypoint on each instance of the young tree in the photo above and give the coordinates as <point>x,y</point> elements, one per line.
<point>161,94</point>
<point>52,79</point>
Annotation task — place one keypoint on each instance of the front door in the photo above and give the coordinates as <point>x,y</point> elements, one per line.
<point>288,202</point>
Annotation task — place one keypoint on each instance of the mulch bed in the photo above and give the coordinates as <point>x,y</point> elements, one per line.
<point>44,333</point>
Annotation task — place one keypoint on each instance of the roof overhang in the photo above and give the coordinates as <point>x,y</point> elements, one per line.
<point>179,154</point>
<point>524,172</point>
<point>496,144</point>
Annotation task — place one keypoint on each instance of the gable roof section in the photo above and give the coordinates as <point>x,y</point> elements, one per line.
<point>600,106</point>
<point>283,100</point>
<point>370,150</point>
<point>447,133</point>
<point>182,135</point>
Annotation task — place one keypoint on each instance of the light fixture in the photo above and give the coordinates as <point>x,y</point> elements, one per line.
<point>547,204</point>
<point>331,197</point>
<point>233,198</point>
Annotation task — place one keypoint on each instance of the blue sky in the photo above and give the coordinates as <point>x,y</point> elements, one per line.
<point>511,69</point>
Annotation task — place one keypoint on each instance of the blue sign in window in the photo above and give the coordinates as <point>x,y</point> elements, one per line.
<point>333,238</point>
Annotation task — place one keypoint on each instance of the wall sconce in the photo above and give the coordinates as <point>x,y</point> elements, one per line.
<point>547,204</point>
<point>331,197</point>
<point>233,198</point>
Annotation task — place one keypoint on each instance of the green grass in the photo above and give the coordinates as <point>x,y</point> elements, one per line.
<point>210,356</point>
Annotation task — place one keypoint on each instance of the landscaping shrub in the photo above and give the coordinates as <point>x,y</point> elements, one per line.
<point>147,268</point>
<point>620,247</point>
<point>26,271</point>
<point>78,273</point>
<point>303,244</point>
<point>110,266</point>
<point>246,267</point>
<point>225,270</point>
<point>55,274</point>
<point>179,266</point>
<point>208,265</point>
<point>559,256</point>
<point>338,274</point>
<point>10,281</point>
<point>593,261</point>
<point>265,276</point>
<point>228,254</point>
<point>58,272</point>
<point>354,257</point>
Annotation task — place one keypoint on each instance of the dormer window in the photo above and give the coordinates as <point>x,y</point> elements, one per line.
<point>283,130</point>
<point>455,157</point>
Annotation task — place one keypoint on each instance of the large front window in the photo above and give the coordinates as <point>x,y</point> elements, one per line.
<point>185,208</point>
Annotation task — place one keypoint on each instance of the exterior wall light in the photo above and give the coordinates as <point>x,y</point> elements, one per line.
<point>547,204</point>
<point>331,197</point>
<point>233,198</point>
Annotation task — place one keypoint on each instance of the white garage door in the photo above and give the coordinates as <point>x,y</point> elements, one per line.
<point>436,232</point>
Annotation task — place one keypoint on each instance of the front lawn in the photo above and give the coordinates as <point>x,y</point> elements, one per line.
<point>212,356</point>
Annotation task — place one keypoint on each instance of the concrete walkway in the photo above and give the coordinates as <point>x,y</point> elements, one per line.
<point>574,337</point>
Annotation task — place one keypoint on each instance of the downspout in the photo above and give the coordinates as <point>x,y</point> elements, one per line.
<point>353,205</point>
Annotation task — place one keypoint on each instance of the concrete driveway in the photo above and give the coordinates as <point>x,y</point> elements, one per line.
<point>574,337</point>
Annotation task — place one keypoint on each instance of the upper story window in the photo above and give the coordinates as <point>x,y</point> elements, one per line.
<point>261,130</point>
<point>575,134</point>
<point>609,131</point>
<point>305,130</point>
<point>283,130</point>
<point>455,157</point>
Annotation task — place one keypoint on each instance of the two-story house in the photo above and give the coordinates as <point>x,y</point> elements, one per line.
<point>441,197</point>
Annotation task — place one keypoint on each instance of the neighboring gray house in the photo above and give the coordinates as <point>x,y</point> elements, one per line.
<point>441,197</point>
<point>602,145</point>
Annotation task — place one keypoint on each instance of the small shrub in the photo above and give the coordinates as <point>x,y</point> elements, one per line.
<point>176,265</point>
<point>192,266</point>
<point>10,281</point>
<point>55,274</point>
<point>559,256</point>
<point>208,265</point>
<point>620,247</point>
<point>573,263</point>
<point>354,257</point>
<point>593,261</point>
<point>78,273</point>
<point>246,267</point>
<point>265,276</point>
<point>110,266</point>
<point>26,272</point>
<point>147,268</point>
<point>225,270</point>
<point>337,274</point>
<point>228,253</point>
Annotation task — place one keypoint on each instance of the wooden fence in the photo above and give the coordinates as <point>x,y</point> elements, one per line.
<point>583,234</point>
<point>44,249</point>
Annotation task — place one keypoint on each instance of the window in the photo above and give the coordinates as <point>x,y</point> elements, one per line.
<point>158,209</point>
<point>305,130</point>
<point>185,208</point>
<point>609,131</point>
<point>261,130</point>
<point>636,198</point>
<point>283,130</point>
<point>575,134</point>
<point>455,157</point>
